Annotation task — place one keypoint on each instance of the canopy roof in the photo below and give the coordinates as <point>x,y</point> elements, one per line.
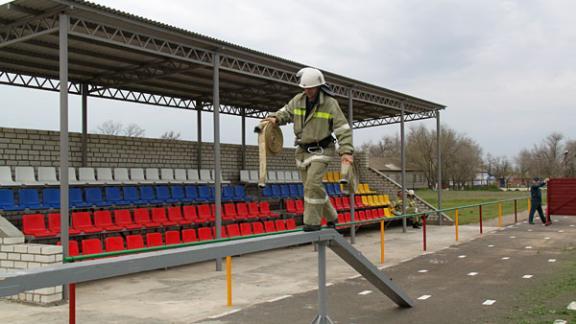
<point>116,55</point>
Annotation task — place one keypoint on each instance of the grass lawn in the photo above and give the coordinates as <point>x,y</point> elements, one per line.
<point>470,215</point>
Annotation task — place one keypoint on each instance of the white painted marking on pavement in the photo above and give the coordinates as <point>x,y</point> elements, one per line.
<point>424,297</point>
<point>225,313</point>
<point>329,284</point>
<point>472,273</point>
<point>572,225</point>
<point>528,247</point>
<point>505,258</point>
<point>365,292</point>
<point>488,302</point>
<point>423,271</point>
<point>527,276</point>
<point>547,238</point>
<point>572,306</point>
<point>512,237</point>
<point>551,260</point>
<point>461,256</point>
<point>355,276</point>
<point>559,321</point>
<point>491,245</point>
<point>561,231</point>
<point>279,298</point>
<point>529,230</point>
<point>525,222</point>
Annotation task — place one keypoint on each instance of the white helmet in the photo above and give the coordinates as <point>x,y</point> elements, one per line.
<point>310,78</point>
<point>411,192</point>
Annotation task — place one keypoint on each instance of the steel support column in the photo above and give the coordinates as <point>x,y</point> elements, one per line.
<point>217,170</point>
<point>84,91</point>
<point>199,135</point>
<point>439,164</point>
<point>63,62</point>
<point>243,151</point>
<point>352,203</point>
<point>322,317</point>
<point>403,165</point>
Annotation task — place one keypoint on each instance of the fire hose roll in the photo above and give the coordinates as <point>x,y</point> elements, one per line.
<point>270,142</point>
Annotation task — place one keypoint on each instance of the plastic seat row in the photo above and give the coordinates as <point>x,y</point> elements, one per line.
<point>339,203</point>
<point>141,218</point>
<point>136,241</point>
<point>278,191</point>
<point>364,215</point>
<point>46,176</point>
<point>287,176</point>
<point>116,196</point>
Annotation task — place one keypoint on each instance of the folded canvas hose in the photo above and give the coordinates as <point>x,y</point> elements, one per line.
<point>270,142</point>
<point>347,177</point>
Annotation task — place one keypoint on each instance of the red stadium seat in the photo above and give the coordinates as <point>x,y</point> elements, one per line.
<point>338,203</point>
<point>115,243</point>
<point>123,219</point>
<point>229,212</point>
<point>91,246</point>
<point>204,213</point>
<point>291,224</point>
<point>154,239</point>
<point>300,206</point>
<point>189,235</point>
<point>172,237</point>
<point>280,225</point>
<point>159,216</point>
<point>73,249</point>
<point>346,203</point>
<point>358,201</point>
<point>35,225</point>
<point>341,218</point>
<point>190,214</point>
<point>258,228</point>
<point>265,210</point>
<point>142,217</point>
<point>175,215</point>
<point>347,217</point>
<point>245,229</point>
<point>253,210</point>
<point>54,225</point>
<point>380,212</point>
<point>361,215</point>
<point>103,219</point>
<point>242,209</point>
<point>222,235</point>
<point>83,222</point>
<point>134,242</point>
<point>205,233</point>
<point>233,230</point>
<point>291,206</point>
<point>269,226</point>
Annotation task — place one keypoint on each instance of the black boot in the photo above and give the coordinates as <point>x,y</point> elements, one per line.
<point>331,225</point>
<point>311,228</point>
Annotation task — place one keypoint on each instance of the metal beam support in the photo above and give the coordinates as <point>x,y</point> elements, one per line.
<point>439,163</point>
<point>84,125</point>
<point>352,202</point>
<point>243,151</point>
<point>322,317</point>
<point>217,164</point>
<point>28,28</point>
<point>403,166</point>
<point>64,217</point>
<point>16,282</point>
<point>199,135</point>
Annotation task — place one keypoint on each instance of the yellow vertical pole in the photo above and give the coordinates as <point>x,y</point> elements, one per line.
<point>381,242</point>
<point>528,204</point>
<point>229,279</point>
<point>456,222</point>
<point>499,214</point>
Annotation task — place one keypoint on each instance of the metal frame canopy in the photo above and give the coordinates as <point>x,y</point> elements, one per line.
<point>119,56</point>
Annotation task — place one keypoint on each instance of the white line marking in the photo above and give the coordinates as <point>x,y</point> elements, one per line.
<point>512,237</point>
<point>551,260</point>
<point>572,306</point>
<point>424,297</point>
<point>461,256</point>
<point>491,245</point>
<point>329,284</point>
<point>547,238</point>
<point>278,298</point>
<point>505,258</point>
<point>423,271</point>
<point>355,276</point>
<point>530,230</point>
<point>225,313</point>
<point>489,302</point>
<point>472,273</point>
<point>365,292</point>
<point>525,222</point>
<point>528,247</point>
<point>572,225</point>
<point>527,276</point>
<point>561,231</point>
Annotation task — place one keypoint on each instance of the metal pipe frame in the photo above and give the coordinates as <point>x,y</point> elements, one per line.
<point>322,317</point>
<point>84,125</point>
<point>243,130</point>
<point>352,203</point>
<point>199,135</point>
<point>95,269</point>
<point>439,163</point>
<point>217,164</point>
<point>403,166</point>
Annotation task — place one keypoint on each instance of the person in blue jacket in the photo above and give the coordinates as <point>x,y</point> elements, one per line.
<point>536,201</point>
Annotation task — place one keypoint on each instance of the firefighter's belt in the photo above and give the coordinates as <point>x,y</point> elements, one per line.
<point>270,142</point>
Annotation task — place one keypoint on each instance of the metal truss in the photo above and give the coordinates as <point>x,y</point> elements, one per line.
<point>25,29</point>
<point>35,82</point>
<point>393,119</point>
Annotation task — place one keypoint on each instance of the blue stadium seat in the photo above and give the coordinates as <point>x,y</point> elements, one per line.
<point>267,191</point>
<point>147,194</point>
<point>285,191</point>
<point>294,191</point>
<point>94,197</point>
<point>240,193</point>
<point>51,198</point>
<point>132,195</point>
<point>29,198</point>
<point>163,194</point>
<point>336,189</point>
<point>191,193</point>
<point>205,193</point>
<point>178,194</point>
<point>329,189</point>
<point>76,199</point>
<point>228,193</point>
<point>114,196</point>
<point>300,189</point>
<point>276,191</point>
<point>7,202</point>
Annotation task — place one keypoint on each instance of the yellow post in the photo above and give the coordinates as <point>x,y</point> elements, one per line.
<point>499,214</point>
<point>529,204</point>
<point>229,279</point>
<point>381,242</point>
<point>456,222</point>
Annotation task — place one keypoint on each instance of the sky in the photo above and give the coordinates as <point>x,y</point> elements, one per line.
<point>506,70</point>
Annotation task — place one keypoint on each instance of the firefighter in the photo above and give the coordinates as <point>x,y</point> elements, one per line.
<point>412,209</point>
<point>316,116</point>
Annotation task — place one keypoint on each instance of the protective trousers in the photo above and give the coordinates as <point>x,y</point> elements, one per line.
<point>312,167</point>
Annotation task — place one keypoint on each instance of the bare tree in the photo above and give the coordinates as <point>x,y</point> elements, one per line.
<point>170,135</point>
<point>569,159</point>
<point>110,127</point>
<point>133,130</point>
<point>500,167</point>
<point>551,158</point>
